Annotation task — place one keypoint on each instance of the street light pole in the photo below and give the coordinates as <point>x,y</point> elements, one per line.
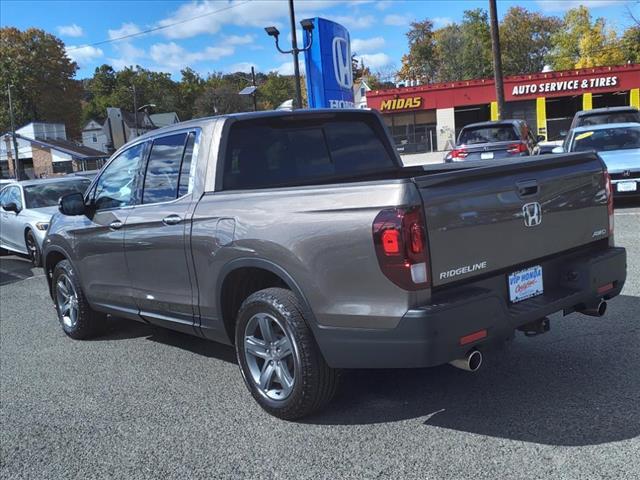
<point>497,59</point>
<point>16,164</point>
<point>295,51</point>
<point>307,26</point>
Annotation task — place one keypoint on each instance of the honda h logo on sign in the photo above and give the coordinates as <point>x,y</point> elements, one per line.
<point>532,213</point>
<point>342,62</point>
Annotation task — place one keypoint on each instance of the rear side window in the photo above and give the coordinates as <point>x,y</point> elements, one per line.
<point>167,174</point>
<point>497,133</point>
<point>279,152</point>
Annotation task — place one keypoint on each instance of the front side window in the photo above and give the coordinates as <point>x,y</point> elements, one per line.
<point>163,169</point>
<point>12,195</point>
<point>116,185</point>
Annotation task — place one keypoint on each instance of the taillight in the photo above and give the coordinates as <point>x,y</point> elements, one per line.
<point>517,148</point>
<point>400,240</point>
<point>609,192</point>
<point>459,153</point>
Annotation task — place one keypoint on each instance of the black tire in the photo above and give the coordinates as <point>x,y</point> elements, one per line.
<point>33,250</point>
<point>87,322</point>
<point>315,383</point>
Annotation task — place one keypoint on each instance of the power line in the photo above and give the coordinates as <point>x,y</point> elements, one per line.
<point>155,29</point>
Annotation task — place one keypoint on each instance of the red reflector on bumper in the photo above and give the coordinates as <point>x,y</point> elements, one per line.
<point>605,288</point>
<point>473,337</point>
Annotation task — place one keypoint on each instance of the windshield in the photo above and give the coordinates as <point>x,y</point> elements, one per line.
<point>497,133</point>
<point>623,138</point>
<point>609,117</point>
<point>48,194</point>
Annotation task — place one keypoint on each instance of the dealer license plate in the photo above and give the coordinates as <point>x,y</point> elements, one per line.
<point>525,284</point>
<point>486,155</point>
<point>627,186</point>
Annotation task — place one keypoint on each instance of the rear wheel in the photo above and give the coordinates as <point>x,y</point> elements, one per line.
<point>76,317</point>
<point>279,359</point>
<point>33,250</point>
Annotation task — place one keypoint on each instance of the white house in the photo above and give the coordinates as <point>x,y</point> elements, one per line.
<point>360,89</point>
<point>94,136</point>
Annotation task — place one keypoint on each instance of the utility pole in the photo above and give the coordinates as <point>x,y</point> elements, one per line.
<point>16,161</point>
<point>497,59</point>
<point>253,82</point>
<point>135,108</point>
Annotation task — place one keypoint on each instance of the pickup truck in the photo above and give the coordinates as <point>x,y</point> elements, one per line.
<point>299,238</point>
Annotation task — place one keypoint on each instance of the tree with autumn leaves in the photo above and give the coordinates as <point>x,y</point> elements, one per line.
<point>529,41</point>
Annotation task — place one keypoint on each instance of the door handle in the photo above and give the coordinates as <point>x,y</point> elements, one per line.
<point>171,220</point>
<point>115,225</point>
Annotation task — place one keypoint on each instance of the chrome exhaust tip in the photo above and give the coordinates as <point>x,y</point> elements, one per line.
<point>596,310</point>
<point>471,362</point>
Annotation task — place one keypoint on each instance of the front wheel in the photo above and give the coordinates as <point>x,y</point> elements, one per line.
<point>278,357</point>
<point>33,250</point>
<point>77,318</point>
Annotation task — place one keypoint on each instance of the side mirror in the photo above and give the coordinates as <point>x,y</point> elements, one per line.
<point>540,138</point>
<point>557,150</point>
<point>11,207</point>
<point>72,204</point>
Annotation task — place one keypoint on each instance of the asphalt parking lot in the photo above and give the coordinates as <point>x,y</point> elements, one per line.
<point>144,402</point>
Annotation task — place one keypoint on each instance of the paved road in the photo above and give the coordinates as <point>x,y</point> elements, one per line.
<point>149,403</point>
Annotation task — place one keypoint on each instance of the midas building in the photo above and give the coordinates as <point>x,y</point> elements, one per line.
<point>429,117</point>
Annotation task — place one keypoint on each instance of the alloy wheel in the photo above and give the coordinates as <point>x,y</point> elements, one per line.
<point>67,301</point>
<point>270,353</point>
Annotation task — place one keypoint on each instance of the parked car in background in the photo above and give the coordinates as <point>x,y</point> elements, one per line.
<point>494,140</point>
<point>618,144</point>
<point>599,116</point>
<point>301,239</point>
<point>26,208</point>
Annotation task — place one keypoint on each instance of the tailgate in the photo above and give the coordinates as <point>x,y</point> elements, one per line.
<point>505,215</point>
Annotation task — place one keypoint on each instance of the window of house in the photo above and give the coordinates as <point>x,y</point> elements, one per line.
<point>94,138</point>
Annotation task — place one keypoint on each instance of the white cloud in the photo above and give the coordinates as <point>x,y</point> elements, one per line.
<point>129,55</point>
<point>383,5</point>
<point>439,22</point>
<point>563,6</point>
<point>84,54</point>
<point>241,67</point>
<point>355,21</point>
<point>359,45</point>
<point>124,30</point>
<point>396,20</point>
<point>239,39</point>
<point>287,68</point>
<point>72,30</point>
<point>175,57</point>
<point>376,60</point>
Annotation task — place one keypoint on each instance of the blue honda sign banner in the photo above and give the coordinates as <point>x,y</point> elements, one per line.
<point>328,66</point>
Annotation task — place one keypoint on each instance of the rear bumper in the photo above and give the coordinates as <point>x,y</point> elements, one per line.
<point>430,335</point>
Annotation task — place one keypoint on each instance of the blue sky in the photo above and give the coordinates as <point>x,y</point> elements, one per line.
<point>228,35</point>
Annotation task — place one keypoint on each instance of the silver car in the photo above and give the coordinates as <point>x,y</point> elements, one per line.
<point>618,144</point>
<point>26,208</point>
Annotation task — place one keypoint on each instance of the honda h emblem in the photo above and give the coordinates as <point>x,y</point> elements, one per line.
<point>342,62</point>
<point>532,213</point>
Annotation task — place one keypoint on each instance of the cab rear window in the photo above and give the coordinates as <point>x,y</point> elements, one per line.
<point>297,151</point>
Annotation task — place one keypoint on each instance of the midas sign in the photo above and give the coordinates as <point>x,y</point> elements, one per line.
<point>401,103</point>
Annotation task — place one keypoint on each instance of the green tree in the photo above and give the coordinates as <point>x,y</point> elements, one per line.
<point>526,40</point>
<point>275,90</point>
<point>449,44</point>
<point>600,47</point>
<point>476,45</point>
<point>190,88</point>
<point>421,63</point>
<point>630,44</point>
<point>42,75</point>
